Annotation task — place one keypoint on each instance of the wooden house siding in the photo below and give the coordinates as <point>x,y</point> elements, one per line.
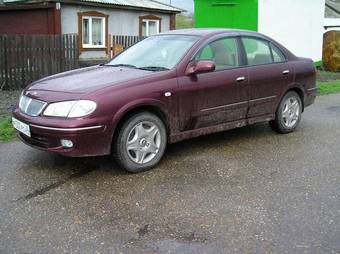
<point>38,19</point>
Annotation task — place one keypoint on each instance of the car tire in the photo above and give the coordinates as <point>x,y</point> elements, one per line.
<point>140,142</point>
<point>288,114</point>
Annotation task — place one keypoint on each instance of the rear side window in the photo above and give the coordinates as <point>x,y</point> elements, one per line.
<point>257,51</point>
<point>278,56</point>
<point>223,52</point>
<point>261,52</point>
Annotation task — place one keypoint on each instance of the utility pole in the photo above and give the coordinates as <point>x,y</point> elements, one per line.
<point>170,2</point>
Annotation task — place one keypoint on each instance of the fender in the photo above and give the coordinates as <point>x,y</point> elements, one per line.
<point>136,104</point>
<point>290,87</point>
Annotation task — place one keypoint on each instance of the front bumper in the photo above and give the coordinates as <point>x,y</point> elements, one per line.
<point>89,138</point>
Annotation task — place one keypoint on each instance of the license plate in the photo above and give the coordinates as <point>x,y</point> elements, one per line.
<point>22,127</point>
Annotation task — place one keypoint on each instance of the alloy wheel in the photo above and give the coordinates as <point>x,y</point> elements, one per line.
<point>291,112</point>
<point>143,142</point>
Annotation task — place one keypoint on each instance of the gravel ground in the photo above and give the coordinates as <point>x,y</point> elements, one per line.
<point>248,190</point>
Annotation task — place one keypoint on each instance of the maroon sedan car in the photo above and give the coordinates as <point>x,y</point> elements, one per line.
<point>167,88</point>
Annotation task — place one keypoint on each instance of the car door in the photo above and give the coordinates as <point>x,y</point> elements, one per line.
<point>217,97</point>
<point>269,76</point>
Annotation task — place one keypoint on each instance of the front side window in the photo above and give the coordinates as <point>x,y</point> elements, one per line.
<point>150,27</point>
<point>93,29</point>
<point>223,52</point>
<point>161,52</point>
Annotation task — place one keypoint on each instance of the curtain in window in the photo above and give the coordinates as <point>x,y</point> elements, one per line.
<point>97,31</point>
<point>144,28</point>
<point>152,28</point>
<point>86,32</point>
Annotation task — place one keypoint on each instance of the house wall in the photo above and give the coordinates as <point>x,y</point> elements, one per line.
<point>121,22</point>
<point>298,25</point>
<point>332,24</point>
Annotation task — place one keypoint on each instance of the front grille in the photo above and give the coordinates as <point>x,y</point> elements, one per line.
<point>30,106</point>
<point>36,140</point>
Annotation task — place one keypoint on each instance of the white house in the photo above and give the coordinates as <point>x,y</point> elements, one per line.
<point>299,25</point>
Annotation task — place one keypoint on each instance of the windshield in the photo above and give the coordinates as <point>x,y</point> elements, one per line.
<point>155,53</point>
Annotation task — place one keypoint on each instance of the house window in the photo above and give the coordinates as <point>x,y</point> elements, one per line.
<point>93,29</point>
<point>149,25</point>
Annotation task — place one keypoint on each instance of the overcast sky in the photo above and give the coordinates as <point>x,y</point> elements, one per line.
<point>183,4</point>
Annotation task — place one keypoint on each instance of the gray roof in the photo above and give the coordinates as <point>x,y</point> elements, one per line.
<point>148,4</point>
<point>135,4</point>
<point>332,9</point>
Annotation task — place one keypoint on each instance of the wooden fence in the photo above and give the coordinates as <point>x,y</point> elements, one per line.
<point>26,58</point>
<point>121,42</point>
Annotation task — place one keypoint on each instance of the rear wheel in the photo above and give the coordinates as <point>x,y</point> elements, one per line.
<point>288,114</point>
<point>140,143</point>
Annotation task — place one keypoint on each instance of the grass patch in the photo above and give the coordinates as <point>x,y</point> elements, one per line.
<point>7,131</point>
<point>183,22</point>
<point>328,82</point>
<point>328,87</point>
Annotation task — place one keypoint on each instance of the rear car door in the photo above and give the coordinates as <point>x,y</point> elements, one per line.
<point>269,75</point>
<point>217,97</point>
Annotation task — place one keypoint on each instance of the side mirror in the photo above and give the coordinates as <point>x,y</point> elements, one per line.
<point>197,67</point>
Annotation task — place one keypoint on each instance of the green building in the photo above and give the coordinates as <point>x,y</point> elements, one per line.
<point>242,14</point>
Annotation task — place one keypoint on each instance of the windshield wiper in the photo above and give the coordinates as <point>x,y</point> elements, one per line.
<point>122,65</point>
<point>154,68</point>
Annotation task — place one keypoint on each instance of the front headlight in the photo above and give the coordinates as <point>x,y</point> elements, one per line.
<point>70,108</point>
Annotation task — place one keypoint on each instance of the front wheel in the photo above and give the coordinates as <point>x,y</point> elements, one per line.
<point>140,143</point>
<point>288,114</point>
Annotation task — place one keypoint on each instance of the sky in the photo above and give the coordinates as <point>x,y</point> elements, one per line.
<point>183,4</point>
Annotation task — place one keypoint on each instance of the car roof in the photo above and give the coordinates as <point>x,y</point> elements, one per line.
<point>203,32</point>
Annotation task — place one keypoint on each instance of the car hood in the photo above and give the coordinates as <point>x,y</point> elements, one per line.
<point>87,80</point>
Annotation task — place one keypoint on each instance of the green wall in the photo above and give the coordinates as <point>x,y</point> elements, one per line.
<point>242,14</point>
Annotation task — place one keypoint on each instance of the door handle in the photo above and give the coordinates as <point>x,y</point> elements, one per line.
<point>240,79</point>
<point>286,72</point>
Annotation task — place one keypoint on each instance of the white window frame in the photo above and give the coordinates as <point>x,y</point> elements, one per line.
<point>147,32</point>
<point>90,45</point>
